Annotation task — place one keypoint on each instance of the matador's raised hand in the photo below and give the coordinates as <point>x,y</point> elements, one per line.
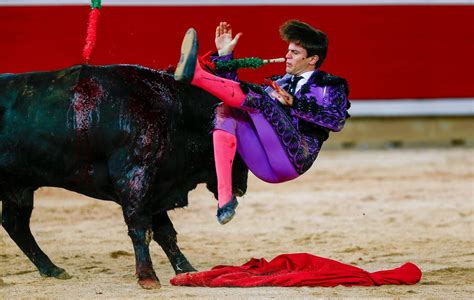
<point>225,44</point>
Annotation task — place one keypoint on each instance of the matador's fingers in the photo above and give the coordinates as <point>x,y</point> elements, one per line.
<point>221,28</point>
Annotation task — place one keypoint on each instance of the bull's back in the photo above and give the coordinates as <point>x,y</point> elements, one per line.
<point>57,127</point>
<point>33,107</point>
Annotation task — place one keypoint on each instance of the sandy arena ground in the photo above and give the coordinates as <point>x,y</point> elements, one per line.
<point>373,209</point>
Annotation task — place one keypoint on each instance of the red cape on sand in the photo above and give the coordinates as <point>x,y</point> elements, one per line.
<point>299,269</point>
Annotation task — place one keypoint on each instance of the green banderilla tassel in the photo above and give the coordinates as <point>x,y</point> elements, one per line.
<point>96,4</point>
<point>249,62</point>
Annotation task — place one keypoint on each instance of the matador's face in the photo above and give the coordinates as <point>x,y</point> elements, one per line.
<point>297,60</point>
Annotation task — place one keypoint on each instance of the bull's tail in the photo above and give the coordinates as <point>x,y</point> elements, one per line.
<point>4,83</point>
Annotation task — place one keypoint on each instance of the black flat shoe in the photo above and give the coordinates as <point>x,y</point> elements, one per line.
<point>227,212</point>
<point>187,61</point>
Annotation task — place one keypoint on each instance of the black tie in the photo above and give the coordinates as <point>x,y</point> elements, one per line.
<point>293,84</point>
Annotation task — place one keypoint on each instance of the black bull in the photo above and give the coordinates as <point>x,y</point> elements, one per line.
<point>123,133</point>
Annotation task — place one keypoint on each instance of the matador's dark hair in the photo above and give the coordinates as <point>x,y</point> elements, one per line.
<point>313,40</point>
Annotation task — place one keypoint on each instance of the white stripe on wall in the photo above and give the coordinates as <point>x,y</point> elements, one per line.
<point>412,108</point>
<point>237,2</point>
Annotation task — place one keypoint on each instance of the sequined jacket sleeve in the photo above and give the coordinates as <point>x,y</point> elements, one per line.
<point>325,106</point>
<point>232,75</point>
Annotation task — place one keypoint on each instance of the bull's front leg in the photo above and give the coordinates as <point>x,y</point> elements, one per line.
<point>165,235</point>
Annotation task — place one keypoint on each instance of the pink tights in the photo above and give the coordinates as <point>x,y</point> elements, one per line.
<point>225,144</point>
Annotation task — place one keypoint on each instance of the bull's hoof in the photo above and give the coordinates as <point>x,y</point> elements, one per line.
<point>149,283</point>
<point>184,267</point>
<point>181,265</point>
<point>189,269</point>
<point>56,273</point>
<point>63,275</point>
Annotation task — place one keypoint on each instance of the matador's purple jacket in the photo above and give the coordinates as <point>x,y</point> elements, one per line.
<point>318,107</point>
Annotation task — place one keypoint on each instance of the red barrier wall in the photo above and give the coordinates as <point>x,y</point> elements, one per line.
<point>386,52</point>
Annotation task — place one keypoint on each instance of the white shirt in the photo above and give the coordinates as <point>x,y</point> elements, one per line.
<point>285,79</point>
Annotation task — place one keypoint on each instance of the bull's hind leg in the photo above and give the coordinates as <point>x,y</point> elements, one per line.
<point>138,220</point>
<point>131,189</point>
<point>165,235</point>
<point>141,237</point>
<point>17,206</point>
